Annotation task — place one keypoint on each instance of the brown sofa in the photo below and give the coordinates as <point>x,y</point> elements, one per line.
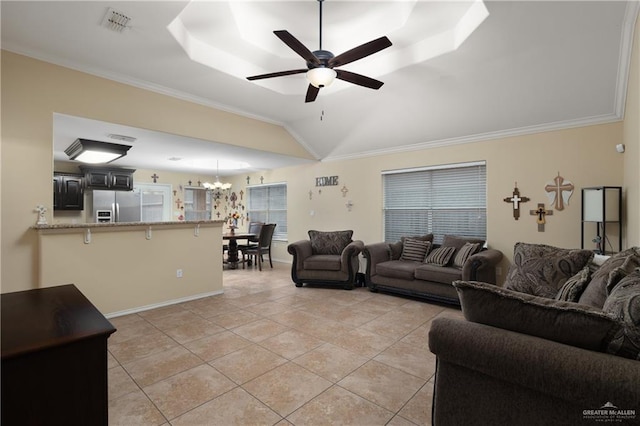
<point>387,270</point>
<point>327,258</point>
<point>521,358</point>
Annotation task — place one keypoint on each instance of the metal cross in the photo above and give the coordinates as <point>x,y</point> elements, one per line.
<point>344,191</point>
<point>155,178</point>
<point>178,203</point>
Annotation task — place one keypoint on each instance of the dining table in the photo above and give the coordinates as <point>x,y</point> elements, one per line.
<point>232,252</point>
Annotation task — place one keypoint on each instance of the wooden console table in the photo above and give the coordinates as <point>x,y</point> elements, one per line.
<point>54,358</point>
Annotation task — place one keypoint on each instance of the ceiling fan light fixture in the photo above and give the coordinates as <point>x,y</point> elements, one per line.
<point>321,76</point>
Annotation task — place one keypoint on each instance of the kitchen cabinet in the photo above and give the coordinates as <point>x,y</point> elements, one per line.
<point>68,191</point>
<point>54,358</point>
<point>108,178</point>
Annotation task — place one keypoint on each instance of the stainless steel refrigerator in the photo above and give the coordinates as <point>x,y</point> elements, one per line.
<point>116,206</point>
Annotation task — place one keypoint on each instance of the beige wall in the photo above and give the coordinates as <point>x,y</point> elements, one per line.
<point>121,270</point>
<point>631,138</point>
<point>32,91</point>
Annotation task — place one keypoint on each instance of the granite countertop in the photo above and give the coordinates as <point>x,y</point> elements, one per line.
<point>125,224</point>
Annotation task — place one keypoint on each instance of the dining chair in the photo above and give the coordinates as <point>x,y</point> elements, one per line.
<point>264,246</point>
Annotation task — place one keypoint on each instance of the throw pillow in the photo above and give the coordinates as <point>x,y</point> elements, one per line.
<point>440,256</point>
<point>596,292</point>
<point>465,253</point>
<point>332,242</point>
<point>415,250</point>
<point>459,242</point>
<point>541,270</point>
<point>563,322</point>
<point>573,288</point>
<point>624,304</point>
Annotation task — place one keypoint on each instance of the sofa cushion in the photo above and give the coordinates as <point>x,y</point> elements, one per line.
<point>440,256</point>
<point>438,274</point>
<point>624,304</point>
<point>401,269</point>
<point>332,242</point>
<point>541,270</point>
<point>596,292</point>
<point>464,253</point>
<point>573,288</point>
<point>323,262</point>
<point>415,250</point>
<point>564,322</point>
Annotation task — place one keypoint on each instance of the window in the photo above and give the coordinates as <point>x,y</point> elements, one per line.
<point>268,204</point>
<point>155,202</point>
<point>443,200</point>
<point>197,204</point>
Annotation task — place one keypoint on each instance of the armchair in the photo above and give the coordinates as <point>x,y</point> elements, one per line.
<point>326,258</point>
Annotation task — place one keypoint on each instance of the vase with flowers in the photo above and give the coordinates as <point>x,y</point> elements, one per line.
<point>233,221</point>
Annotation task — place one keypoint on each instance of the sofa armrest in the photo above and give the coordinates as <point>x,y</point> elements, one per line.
<point>482,266</point>
<point>300,251</point>
<point>375,253</point>
<point>581,377</point>
<point>349,262</point>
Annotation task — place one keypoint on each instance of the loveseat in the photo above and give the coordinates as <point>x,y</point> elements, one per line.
<point>415,266</point>
<point>326,258</point>
<point>559,344</point>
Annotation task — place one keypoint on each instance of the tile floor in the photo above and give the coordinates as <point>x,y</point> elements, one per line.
<point>268,353</point>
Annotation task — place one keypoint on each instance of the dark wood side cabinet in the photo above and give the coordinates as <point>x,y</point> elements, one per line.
<point>108,178</point>
<point>54,358</point>
<point>68,191</point>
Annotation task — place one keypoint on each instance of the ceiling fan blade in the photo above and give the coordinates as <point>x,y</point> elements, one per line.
<point>359,79</point>
<point>312,93</point>
<point>276,74</point>
<point>297,46</point>
<point>360,52</point>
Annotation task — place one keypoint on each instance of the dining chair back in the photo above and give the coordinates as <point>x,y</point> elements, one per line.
<point>264,245</point>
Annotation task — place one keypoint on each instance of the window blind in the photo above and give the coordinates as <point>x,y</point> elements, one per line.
<point>443,200</point>
<point>268,204</point>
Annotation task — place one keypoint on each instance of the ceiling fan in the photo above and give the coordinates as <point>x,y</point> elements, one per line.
<point>321,63</point>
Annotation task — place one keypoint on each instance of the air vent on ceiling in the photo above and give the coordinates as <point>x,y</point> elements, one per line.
<point>115,20</point>
<point>122,137</point>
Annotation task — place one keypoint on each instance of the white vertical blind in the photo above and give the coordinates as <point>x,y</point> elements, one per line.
<point>268,204</point>
<point>443,200</point>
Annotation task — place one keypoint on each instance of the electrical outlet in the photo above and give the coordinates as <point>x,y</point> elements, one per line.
<point>178,273</point>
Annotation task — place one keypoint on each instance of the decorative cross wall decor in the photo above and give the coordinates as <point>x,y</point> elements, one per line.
<point>559,190</point>
<point>344,191</point>
<point>178,203</point>
<point>155,178</point>
<point>541,214</point>
<point>516,199</point>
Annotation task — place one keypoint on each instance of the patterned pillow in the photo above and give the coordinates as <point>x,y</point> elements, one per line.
<point>596,292</point>
<point>573,288</point>
<point>624,304</point>
<point>332,242</point>
<point>440,256</point>
<point>541,270</point>
<point>465,253</point>
<point>415,250</point>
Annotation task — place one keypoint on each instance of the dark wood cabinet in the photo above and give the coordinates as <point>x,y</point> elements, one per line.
<point>54,358</point>
<point>68,191</point>
<point>108,178</point>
